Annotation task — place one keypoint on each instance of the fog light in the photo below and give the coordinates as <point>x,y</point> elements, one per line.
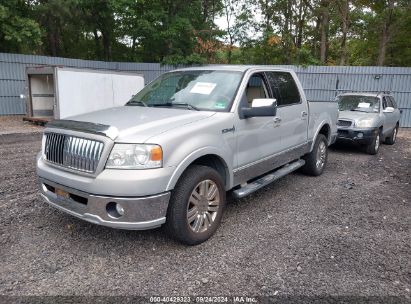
<point>119,209</point>
<point>114,210</point>
<point>360,135</point>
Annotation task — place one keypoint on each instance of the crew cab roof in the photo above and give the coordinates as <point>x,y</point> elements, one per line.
<point>365,94</point>
<point>236,68</point>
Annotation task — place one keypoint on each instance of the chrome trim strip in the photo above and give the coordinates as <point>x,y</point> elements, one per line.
<point>267,158</point>
<point>271,162</point>
<point>83,126</point>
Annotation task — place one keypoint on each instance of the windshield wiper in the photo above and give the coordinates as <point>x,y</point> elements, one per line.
<point>189,106</point>
<point>178,104</point>
<point>358,110</point>
<point>137,102</point>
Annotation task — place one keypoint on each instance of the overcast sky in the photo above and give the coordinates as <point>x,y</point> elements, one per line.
<point>221,22</point>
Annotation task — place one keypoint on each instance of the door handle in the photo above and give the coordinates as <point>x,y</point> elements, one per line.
<point>277,119</point>
<point>304,114</point>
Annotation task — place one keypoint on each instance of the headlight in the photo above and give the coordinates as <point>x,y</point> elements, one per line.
<point>135,156</point>
<point>364,123</point>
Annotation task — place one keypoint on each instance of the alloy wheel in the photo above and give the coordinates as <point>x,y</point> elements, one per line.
<point>321,155</point>
<point>377,142</point>
<point>203,206</point>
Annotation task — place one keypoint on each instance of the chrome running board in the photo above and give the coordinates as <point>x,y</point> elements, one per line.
<point>267,179</point>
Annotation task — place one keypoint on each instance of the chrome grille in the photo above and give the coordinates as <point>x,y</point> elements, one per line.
<point>73,152</point>
<point>344,123</point>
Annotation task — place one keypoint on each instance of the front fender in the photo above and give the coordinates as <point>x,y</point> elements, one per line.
<point>182,146</point>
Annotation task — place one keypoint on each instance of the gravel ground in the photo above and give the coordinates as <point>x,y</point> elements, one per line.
<point>16,125</point>
<point>345,233</point>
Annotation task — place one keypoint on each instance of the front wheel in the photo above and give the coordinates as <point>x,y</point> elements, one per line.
<point>391,139</point>
<point>316,160</point>
<point>374,146</point>
<point>196,205</point>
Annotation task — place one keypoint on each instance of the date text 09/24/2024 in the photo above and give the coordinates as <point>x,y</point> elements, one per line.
<point>204,299</point>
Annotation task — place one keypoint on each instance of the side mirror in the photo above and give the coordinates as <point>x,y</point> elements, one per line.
<point>260,107</point>
<point>263,102</point>
<point>388,110</point>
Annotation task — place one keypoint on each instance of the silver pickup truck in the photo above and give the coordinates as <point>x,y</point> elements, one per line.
<point>170,154</point>
<point>368,119</point>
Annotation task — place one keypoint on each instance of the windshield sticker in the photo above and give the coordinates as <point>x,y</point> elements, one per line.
<point>364,105</point>
<point>220,105</point>
<point>204,88</point>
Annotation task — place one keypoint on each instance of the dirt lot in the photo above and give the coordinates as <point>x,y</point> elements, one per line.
<point>15,124</point>
<point>345,233</point>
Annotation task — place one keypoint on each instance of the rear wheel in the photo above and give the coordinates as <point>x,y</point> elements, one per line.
<point>374,146</point>
<point>391,139</point>
<point>196,205</point>
<point>316,160</point>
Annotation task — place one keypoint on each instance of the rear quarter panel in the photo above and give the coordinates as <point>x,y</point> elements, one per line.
<point>322,113</point>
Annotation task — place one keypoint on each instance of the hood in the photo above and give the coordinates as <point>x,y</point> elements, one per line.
<point>138,124</point>
<point>356,115</point>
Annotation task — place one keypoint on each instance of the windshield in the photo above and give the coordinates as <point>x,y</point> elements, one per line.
<point>198,90</point>
<point>358,103</point>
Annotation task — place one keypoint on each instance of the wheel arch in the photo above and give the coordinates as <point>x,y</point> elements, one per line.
<point>205,157</point>
<point>381,132</point>
<point>324,129</point>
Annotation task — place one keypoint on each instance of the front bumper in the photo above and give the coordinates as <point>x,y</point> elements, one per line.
<point>361,136</point>
<point>139,212</point>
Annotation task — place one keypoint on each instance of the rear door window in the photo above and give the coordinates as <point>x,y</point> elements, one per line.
<point>384,103</point>
<point>394,104</point>
<point>389,102</point>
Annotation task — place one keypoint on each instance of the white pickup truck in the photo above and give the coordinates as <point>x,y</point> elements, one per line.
<point>170,154</point>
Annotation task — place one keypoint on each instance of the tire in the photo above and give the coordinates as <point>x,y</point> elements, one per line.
<point>391,139</point>
<point>316,160</point>
<point>374,146</point>
<point>192,221</point>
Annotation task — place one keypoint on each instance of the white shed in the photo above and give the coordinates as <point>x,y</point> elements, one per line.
<point>60,92</point>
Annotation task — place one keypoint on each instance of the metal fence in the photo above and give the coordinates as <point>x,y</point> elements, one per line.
<point>320,82</point>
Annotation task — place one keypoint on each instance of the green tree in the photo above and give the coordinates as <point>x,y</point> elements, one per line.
<point>18,31</point>
<point>344,32</point>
